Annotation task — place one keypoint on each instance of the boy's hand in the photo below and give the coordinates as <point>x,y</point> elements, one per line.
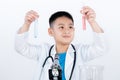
<point>89,14</point>
<point>30,17</point>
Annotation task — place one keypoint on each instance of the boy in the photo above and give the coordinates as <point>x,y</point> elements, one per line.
<point>62,30</point>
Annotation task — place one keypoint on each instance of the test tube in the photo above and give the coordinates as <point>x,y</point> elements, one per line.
<point>36,28</point>
<point>83,22</point>
<point>83,17</point>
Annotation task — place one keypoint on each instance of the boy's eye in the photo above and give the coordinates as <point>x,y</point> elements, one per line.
<point>71,27</point>
<point>61,27</point>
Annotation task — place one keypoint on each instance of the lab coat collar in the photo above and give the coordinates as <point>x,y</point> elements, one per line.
<point>69,62</point>
<point>70,51</point>
<point>53,51</point>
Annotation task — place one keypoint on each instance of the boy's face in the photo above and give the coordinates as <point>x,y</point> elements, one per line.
<point>62,30</point>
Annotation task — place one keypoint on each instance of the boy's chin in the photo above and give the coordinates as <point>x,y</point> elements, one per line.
<point>66,43</point>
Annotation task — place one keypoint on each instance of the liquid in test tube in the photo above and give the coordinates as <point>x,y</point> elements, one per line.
<point>83,22</point>
<point>36,28</point>
<point>83,18</point>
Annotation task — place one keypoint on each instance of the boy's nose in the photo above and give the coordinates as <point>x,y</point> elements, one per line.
<point>67,31</point>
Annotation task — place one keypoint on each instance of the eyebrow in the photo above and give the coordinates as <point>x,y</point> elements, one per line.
<point>63,24</point>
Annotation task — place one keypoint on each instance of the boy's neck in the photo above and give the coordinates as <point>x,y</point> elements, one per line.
<point>61,48</point>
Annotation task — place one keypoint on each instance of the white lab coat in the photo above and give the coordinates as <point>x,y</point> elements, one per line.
<point>40,52</point>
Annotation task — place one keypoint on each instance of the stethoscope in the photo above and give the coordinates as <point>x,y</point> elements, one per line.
<point>74,61</point>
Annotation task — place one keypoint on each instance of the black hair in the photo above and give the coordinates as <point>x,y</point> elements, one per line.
<point>59,14</point>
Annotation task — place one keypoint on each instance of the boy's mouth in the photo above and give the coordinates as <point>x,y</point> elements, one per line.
<point>66,36</point>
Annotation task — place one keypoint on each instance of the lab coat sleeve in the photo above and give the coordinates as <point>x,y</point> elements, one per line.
<point>96,49</point>
<point>24,48</point>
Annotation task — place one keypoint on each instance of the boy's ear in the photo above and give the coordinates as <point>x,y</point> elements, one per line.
<point>50,31</point>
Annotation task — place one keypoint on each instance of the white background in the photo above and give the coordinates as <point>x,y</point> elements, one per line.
<point>16,67</point>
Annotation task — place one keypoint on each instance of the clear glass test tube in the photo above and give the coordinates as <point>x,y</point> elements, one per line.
<point>91,72</point>
<point>36,28</point>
